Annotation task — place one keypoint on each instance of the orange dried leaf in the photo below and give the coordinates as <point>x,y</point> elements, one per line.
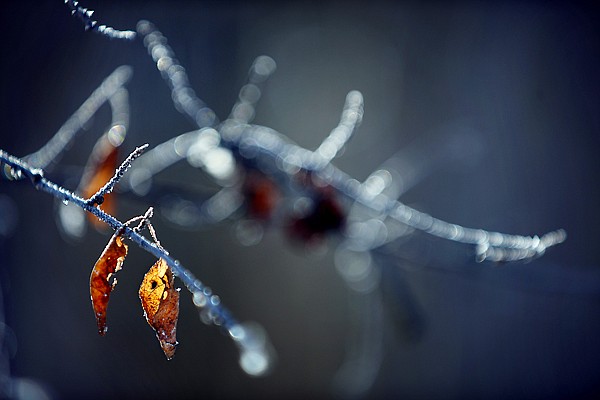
<point>100,169</point>
<point>160,301</point>
<point>108,264</point>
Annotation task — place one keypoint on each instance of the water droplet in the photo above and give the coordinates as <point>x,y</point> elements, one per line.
<point>206,317</point>
<point>254,362</point>
<point>215,300</point>
<point>237,332</point>
<point>199,300</point>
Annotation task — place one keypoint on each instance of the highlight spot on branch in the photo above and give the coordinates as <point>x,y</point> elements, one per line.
<point>106,267</point>
<point>160,301</point>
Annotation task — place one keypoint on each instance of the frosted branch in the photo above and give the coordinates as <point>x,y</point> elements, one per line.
<point>349,122</point>
<point>185,98</point>
<point>243,110</point>
<point>52,150</point>
<point>98,197</point>
<point>270,145</point>
<point>85,15</point>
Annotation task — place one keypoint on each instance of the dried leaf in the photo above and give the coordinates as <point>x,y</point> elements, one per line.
<point>160,301</point>
<point>100,168</point>
<point>325,215</point>
<point>108,264</point>
<point>262,195</point>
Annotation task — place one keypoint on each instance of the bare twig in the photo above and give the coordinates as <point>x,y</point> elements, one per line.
<point>98,197</point>
<point>85,15</point>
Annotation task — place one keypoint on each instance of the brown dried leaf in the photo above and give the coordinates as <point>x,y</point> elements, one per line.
<point>108,264</point>
<point>160,301</point>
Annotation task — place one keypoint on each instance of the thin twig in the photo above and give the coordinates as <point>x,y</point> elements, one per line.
<point>98,197</point>
<point>85,15</point>
<point>145,223</point>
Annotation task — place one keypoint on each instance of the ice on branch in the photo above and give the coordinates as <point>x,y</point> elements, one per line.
<point>85,15</point>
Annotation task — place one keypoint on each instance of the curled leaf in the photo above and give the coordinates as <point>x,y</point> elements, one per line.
<point>160,301</point>
<point>108,264</point>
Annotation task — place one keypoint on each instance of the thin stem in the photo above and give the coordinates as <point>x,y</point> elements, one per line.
<point>98,197</point>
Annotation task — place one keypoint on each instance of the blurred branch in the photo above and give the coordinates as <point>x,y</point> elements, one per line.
<point>110,87</point>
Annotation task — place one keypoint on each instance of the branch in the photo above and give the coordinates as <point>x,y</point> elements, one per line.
<point>98,197</point>
<point>349,122</point>
<point>250,340</point>
<point>52,150</point>
<point>243,110</point>
<point>185,98</point>
<point>492,246</point>
<point>235,133</point>
<point>85,15</point>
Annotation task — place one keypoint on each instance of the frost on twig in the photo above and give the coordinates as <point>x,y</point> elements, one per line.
<point>98,197</point>
<point>85,15</point>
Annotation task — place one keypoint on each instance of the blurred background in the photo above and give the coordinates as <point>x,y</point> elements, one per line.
<point>497,108</point>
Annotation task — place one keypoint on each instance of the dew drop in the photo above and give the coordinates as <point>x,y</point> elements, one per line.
<point>215,300</point>
<point>199,299</point>
<point>254,362</point>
